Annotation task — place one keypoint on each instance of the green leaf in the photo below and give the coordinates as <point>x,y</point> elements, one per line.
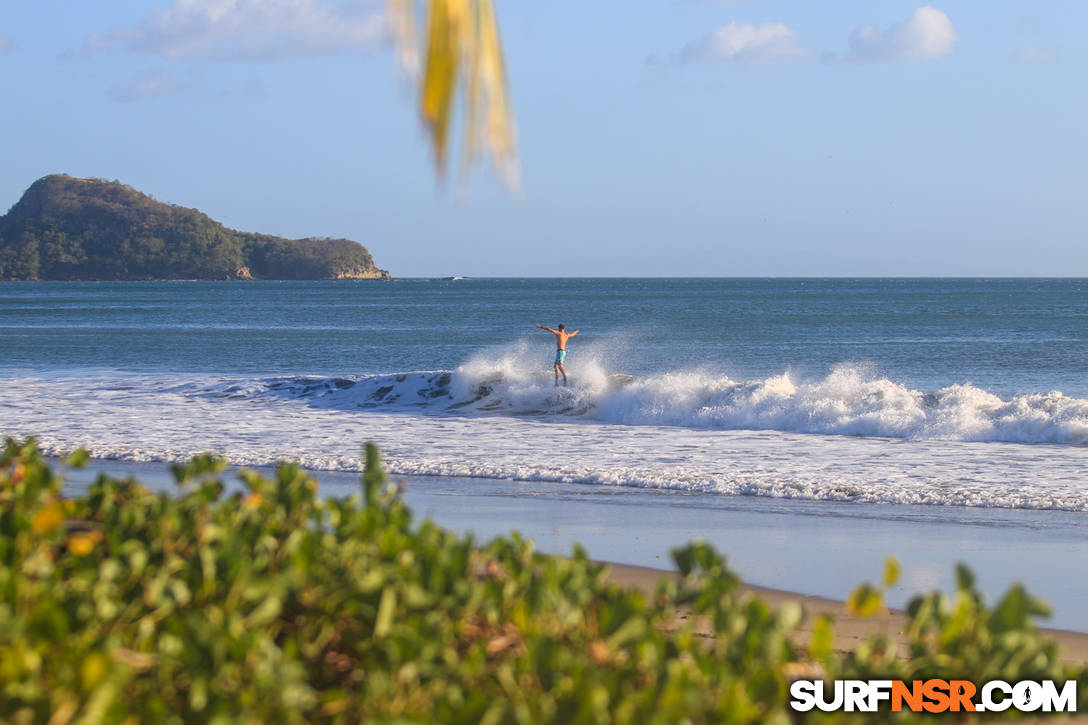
<point>790,614</point>
<point>78,458</point>
<point>965,578</point>
<point>865,601</point>
<point>386,609</point>
<point>823,638</point>
<point>891,572</point>
<point>374,476</point>
<point>685,559</point>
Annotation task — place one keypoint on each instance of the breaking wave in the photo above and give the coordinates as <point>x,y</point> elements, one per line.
<point>498,417</point>
<point>850,400</point>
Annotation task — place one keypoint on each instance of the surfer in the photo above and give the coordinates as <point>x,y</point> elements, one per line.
<point>561,337</point>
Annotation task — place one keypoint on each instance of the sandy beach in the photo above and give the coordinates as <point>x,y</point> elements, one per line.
<point>849,629</point>
<point>757,536</point>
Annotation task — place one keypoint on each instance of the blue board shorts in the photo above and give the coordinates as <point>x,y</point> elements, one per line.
<point>560,356</point>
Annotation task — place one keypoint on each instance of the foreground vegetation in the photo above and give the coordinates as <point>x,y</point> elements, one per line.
<point>267,603</point>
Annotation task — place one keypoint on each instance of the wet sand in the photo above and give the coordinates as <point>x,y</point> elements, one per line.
<point>814,552</point>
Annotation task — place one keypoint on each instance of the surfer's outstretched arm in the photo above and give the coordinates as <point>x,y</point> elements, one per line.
<point>554,332</point>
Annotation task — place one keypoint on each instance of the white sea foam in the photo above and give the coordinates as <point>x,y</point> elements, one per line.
<point>850,400</point>
<point>851,436</point>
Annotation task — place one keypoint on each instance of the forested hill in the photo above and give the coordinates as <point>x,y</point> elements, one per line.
<point>64,228</point>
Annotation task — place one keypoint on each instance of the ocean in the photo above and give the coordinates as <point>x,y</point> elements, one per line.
<point>966,392</point>
<point>805,427</point>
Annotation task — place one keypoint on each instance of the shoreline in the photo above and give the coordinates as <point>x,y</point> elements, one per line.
<point>849,629</point>
<point>811,552</point>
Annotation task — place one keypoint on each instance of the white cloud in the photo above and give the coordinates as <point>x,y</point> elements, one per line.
<point>1037,54</point>
<point>928,33</point>
<point>145,85</point>
<point>5,44</point>
<point>767,44</point>
<point>249,29</point>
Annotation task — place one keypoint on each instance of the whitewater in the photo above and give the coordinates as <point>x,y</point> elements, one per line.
<point>850,400</point>
<point>850,436</point>
<point>944,392</point>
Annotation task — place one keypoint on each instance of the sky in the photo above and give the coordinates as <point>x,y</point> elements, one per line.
<point>659,138</point>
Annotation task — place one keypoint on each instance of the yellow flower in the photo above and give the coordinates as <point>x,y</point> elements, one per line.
<point>83,542</point>
<point>48,518</point>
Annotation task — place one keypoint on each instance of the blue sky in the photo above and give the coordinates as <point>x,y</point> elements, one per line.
<point>681,137</point>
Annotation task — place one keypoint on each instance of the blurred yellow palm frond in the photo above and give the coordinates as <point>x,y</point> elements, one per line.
<point>462,47</point>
